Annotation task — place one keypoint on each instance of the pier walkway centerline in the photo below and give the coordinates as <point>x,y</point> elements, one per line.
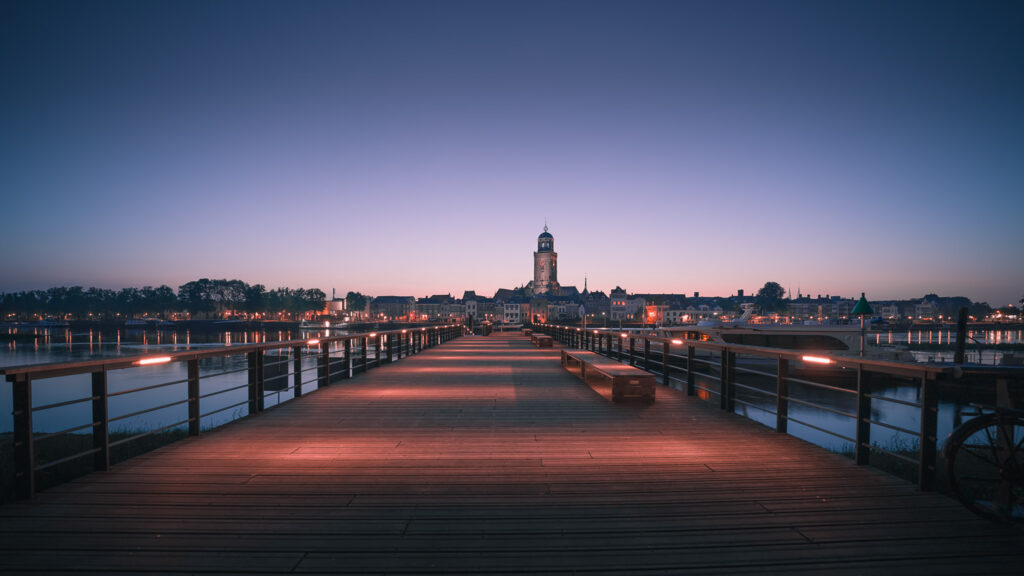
<point>483,455</point>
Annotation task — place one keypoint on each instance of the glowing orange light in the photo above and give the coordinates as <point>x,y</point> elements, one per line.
<point>313,342</point>
<point>403,331</point>
<point>624,335</point>
<point>155,360</point>
<point>677,341</point>
<point>373,334</point>
<point>816,359</point>
<point>595,331</point>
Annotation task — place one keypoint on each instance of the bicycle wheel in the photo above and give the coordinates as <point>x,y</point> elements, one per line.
<point>984,464</point>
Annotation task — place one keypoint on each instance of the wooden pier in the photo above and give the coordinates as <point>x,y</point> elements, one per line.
<point>484,456</point>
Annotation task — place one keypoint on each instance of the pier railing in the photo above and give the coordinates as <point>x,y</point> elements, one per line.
<point>781,387</point>
<point>292,367</point>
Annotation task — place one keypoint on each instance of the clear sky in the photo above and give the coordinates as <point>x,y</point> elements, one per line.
<point>417,147</point>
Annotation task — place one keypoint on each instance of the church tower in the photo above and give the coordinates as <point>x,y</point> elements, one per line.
<point>545,263</point>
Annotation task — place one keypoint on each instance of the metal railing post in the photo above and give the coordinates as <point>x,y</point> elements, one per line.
<point>255,382</point>
<point>929,433</point>
<point>632,351</point>
<point>723,372</point>
<point>366,353</point>
<point>619,338</point>
<point>194,413</point>
<point>391,348</point>
<point>862,451</point>
<point>101,421</point>
<point>24,445</point>
<point>647,354</point>
<point>666,367</point>
<point>323,366</point>
<point>378,343</point>
<point>782,396</point>
<point>349,364</point>
<point>691,376</point>
<point>297,370</point>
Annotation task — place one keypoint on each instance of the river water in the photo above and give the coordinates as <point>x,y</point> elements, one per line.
<point>51,345</point>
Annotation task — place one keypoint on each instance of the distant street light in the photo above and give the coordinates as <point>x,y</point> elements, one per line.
<point>862,309</point>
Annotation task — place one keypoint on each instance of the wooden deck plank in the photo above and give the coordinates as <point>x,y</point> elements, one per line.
<point>484,456</point>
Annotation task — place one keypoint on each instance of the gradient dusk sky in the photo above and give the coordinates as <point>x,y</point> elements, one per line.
<point>416,148</point>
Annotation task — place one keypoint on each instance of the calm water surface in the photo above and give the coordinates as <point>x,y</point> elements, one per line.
<point>218,374</point>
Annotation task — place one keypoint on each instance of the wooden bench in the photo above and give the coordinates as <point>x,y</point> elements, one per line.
<point>542,340</point>
<point>613,380</point>
<point>527,331</point>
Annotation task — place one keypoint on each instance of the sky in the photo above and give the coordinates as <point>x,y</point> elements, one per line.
<point>417,148</point>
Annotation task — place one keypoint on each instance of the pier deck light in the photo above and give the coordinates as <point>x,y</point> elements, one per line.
<point>677,341</point>
<point>816,359</point>
<point>313,342</point>
<point>153,360</point>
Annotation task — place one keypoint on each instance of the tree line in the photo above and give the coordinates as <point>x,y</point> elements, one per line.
<point>200,298</point>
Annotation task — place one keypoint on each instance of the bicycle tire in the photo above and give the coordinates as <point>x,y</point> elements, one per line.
<point>985,466</point>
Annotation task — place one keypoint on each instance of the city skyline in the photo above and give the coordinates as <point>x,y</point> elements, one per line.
<point>417,148</point>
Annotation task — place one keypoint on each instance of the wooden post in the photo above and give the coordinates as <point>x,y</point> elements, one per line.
<point>632,351</point>
<point>194,413</point>
<point>929,433</point>
<point>691,382</point>
<point>781,396</point>
<point>862,451</point>
<point>24,445</point>
<point>619,338</point>
<point>101,421</point>
<point>666,367</point>
<point>391,348</point>
<point>378,344</point>
<point>297,370</point>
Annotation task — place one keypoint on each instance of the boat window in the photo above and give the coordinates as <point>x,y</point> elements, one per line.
<point>788,341</point>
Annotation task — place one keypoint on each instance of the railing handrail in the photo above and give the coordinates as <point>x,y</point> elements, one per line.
<point>55,369</point>
<point>888,366</point>
<point>678,366</point>
<point>409,341</point>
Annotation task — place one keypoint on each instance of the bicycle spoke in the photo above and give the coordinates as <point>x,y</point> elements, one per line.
<point>982,479</point>
<point>992,443</point>
<point>979,452</point>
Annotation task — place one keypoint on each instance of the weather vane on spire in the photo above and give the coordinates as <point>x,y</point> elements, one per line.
<point>545,223</point>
